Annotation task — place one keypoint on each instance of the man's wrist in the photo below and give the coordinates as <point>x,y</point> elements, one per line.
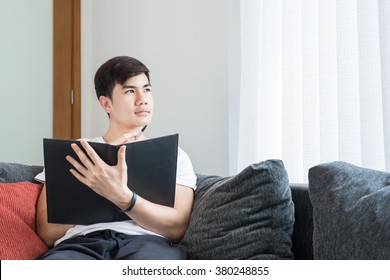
<point>132,203</point>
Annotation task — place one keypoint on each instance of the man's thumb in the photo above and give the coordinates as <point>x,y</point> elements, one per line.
<point>122,157</point>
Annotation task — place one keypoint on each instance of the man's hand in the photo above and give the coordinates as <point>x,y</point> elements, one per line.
<point>107,181</point>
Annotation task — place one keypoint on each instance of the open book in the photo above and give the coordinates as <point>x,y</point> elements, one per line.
<point>151,166</point>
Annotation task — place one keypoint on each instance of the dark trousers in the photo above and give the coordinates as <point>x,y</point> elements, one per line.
<point>108,245</point>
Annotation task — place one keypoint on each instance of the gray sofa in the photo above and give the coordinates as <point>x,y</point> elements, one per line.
<point>344,213</point>
<point>302,238</point>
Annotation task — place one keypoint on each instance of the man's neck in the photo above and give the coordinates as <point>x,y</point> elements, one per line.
<point>117,137</point>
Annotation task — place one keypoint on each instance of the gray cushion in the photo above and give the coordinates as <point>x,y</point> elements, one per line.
<point>14,172</point>
<point>351,212</point>
<point>247,216</point>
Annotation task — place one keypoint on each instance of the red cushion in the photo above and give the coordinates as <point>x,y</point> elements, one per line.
<point>18,238</point>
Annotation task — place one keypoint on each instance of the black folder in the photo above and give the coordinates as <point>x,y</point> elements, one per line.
<point>151,174</point>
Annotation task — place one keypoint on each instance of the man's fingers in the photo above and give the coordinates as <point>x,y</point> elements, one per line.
<point>89,158</point>
<point>79,167</point>
<point>79,177</point>
<point>81,155</point>
<point>122,157</point>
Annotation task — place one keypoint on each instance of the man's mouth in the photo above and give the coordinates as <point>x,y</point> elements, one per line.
<point>142,112</point>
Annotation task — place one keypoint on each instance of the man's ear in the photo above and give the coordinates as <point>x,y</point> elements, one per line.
<point>105,102</point>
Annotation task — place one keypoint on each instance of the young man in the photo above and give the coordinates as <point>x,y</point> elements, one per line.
<point>124,91</point>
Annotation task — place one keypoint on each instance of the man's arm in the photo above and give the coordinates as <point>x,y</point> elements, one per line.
<point>167,221</point>
<point>48,232</point>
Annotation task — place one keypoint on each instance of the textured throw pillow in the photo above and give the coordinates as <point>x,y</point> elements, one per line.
<point>15,172</point>
<point>18,239</point>
<point>351,212</point>
<point>246,216</point>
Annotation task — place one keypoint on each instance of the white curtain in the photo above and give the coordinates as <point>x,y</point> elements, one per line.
<point>315,83</point>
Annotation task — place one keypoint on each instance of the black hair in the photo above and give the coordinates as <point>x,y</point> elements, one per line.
<point>117,70</point>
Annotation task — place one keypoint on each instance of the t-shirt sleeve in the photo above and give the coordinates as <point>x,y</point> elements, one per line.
<point>185,173</point>
<point>41,177</point>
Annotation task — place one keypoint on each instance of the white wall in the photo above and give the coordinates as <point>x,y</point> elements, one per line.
<point>185,45</point>
<point>234,52</point>
<point>26,79</point>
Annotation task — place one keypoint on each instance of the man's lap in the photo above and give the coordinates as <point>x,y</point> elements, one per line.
<point>109,244</point>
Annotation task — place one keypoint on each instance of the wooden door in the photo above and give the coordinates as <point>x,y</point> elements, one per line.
<point>66,69</point>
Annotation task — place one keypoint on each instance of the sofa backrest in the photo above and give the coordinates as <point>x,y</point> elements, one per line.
<point>15,172</point>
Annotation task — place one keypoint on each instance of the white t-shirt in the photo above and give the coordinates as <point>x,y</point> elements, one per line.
<point>184,176</point>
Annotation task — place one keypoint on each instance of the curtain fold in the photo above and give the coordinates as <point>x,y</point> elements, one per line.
<point>315,83</point>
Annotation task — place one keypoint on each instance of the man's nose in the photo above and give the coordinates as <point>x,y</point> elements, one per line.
<point>141,100</point>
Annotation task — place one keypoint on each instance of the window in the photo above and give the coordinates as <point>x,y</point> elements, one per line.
<point>315,83</point>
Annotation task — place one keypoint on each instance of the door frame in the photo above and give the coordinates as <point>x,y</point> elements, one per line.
<point>66,69</point>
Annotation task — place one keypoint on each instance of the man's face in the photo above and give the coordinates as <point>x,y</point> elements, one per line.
<point>132,103</point>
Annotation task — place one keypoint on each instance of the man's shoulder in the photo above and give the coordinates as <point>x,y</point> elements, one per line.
<point>182,155</point>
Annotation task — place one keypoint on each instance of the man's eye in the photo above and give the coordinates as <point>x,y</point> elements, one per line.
<point>148,89</point>
<point>130,91</point>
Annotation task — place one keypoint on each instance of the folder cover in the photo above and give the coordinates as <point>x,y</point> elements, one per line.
<point>151,168</point>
